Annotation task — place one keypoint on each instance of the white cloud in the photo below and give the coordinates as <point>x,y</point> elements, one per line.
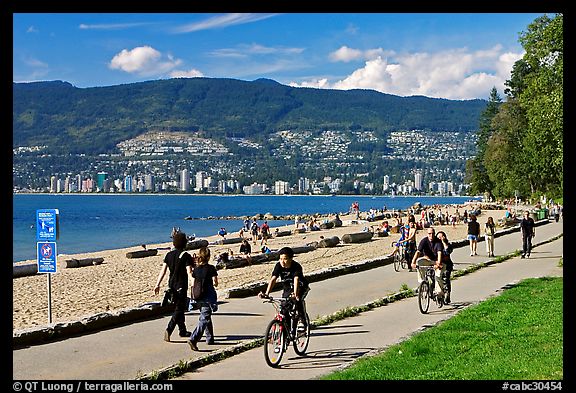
<point>32,29</point>
<point>192,73</point>
<point>453,74</point>
<point>222,21</point>
<point>144,60</point>
<point>255,49</point>
<point>346,54</point>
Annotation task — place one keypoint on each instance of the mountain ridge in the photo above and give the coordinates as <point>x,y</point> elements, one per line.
<point>94,120</point>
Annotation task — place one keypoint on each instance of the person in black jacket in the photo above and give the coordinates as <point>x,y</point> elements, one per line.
<point>180,264</point>
<point>448,264</point>
<point>205,277</point>
<point>528,229</point>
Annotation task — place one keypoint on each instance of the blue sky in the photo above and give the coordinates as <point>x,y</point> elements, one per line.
<point>454,56</point>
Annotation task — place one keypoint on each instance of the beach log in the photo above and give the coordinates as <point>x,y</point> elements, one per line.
<point>71,263</point>
<point>244,261</point>
<point>303,249</point>
<point>357,237</point>
<point>327,225</point>
<point>232,240</point>
<point>24,270</point>
<point>299,230</point>
<point>329,242</point>
<point>282,233</point>
<point>196,244</point>
<point>141,253</point>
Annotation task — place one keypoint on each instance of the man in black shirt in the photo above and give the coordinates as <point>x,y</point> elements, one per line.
<point>291,274</point>
<point>180,264</point>
<point>528,229</point>
<point>429,253</point>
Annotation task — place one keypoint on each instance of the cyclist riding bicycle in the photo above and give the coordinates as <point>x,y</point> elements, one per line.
<point>429,253</point>
<point>292,277</point>
<point>404,229</point>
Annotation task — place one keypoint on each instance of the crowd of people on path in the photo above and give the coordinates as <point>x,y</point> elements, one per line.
<point>433,250</point>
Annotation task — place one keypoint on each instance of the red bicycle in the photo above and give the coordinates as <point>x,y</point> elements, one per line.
<point>285,329</point>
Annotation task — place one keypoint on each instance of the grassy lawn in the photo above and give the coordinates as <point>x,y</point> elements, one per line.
<point>515,336</point>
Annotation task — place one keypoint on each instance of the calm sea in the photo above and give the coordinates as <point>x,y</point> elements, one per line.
<point>109,221</point>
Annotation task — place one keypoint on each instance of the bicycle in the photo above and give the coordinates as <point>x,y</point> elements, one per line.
<point>285,329</point>
<point>400,256</point>
<point>426,290</point>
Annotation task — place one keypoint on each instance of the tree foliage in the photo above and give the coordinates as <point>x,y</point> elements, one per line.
<point>524,147</point>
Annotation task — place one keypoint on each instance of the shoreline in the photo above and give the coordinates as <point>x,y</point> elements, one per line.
<point>120,282</point>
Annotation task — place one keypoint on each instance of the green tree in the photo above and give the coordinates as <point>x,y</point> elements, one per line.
<point>543,102</point>
<point>525,149</point>
<point>505,159</point>
<point>475,169</point>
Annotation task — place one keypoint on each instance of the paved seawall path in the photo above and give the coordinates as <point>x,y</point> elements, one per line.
<point>137,351</point>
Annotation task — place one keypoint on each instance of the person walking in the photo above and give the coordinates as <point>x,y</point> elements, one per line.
<point>489,231</point>
<point>204,283</point>
<point>473,234</point>
<point>528,229</point>
<point>180,264</point>
<point>447,264</point>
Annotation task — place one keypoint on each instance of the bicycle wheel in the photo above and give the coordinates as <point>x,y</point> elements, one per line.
<point>424,297</point>
<point>274,343</point>
<point>397,261</point>
<point>302,337</point>
<point>404,262</point>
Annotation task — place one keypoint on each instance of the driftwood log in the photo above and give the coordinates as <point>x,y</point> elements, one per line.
<point>261,258</point>
<point>71,263</point>
<point>357,237</point>
<point>29,269</point>
<point>141,253</point>
<point>329,242</point>
<point>282,233</point>
<point>327,225</point>
<point>196,244</point>
<point>231,240</point>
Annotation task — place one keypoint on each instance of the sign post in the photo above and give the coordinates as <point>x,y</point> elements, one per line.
<point>46,251</point>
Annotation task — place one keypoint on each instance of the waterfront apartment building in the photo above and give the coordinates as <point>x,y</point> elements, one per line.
<point>185,180</point>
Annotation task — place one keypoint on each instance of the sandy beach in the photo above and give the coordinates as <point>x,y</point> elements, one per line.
<point>119,282</point>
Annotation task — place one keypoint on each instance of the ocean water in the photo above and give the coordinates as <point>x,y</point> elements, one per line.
<point>108,221</point>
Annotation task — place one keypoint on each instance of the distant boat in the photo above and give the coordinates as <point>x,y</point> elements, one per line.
<point>188,218</point>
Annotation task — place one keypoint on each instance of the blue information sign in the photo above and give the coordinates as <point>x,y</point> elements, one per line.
<point>46,257</point>
<point>46,224</point>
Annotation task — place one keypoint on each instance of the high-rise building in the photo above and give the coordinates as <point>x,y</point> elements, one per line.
<point>386,183</point>
<point>149,182</point>
<point>128,183</point>
<point>101,177</point>
<point>185,180</point>
<point>418,181</point>
<point>303,184</point>
<point>200,181</point>
<point>281,187</point>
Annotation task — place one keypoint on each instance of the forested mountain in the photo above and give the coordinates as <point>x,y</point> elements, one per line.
<point>93,120</point>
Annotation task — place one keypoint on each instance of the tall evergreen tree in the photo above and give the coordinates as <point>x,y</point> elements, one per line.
<point>476,170</point>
